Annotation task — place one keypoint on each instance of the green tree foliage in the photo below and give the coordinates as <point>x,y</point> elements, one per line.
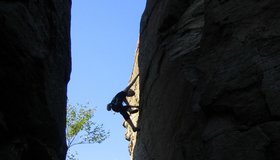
<point>80,129</point>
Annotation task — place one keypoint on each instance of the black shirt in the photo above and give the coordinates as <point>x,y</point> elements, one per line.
<point>119,98</point>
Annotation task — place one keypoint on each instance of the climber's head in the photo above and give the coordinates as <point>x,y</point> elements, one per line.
<point>109,106</point>
<point>130,93</point>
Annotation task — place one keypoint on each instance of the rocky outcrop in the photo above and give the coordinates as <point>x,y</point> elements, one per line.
<point>34,72</point>
<point>209,80</point>
<point>133,101</point>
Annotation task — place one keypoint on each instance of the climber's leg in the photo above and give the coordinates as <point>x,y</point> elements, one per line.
<point>130,110</point>
<point>128,120</point>
<point>135,129</point>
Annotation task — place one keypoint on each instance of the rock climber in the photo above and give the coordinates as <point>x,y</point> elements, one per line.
<point>117,104</point>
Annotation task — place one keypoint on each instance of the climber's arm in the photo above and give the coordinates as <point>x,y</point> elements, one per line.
<point>126,102</point>
<point>132,82</point>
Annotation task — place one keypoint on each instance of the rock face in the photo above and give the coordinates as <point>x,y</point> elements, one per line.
<point>209,81</point>
<point>34,72</point>
<point>134,101</point>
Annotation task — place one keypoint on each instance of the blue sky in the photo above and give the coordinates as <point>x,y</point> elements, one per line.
<point>104,34</point>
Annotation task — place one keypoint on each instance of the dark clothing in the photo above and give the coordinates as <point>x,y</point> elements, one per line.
<point>117,104</point>
<point>123,112</point>
<point>119,98</point>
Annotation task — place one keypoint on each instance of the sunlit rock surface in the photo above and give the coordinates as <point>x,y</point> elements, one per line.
<point>209,81</point>
<point>34,72</point>
<point>133,101</point>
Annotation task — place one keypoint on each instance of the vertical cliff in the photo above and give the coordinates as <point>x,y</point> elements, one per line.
<point>34,72</point>
<point>209,81</point>
<point>134,101</point>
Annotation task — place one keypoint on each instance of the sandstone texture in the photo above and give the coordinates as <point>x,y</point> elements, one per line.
<point>209,81</point>
<point>133,101</point>
<point>34,72</point>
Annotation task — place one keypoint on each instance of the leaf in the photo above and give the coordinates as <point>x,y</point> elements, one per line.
<point>80,128</point>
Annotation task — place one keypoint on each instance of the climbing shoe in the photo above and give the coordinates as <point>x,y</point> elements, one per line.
<point>136,129</point>
<point>133,111</point>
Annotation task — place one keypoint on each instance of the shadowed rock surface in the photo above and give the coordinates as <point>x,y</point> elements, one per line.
<point>34,72</point>
<point>209,81</point>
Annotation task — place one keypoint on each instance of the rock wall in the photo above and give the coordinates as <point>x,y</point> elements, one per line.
<point>209,81</point>
<point>134,101</point>
<point>34,72</point>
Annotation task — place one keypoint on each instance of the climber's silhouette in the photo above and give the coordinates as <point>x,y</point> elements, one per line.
<point>117,104</point>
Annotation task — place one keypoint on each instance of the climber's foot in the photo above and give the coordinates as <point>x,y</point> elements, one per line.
<point>136,129</point>
<point>133,111</point>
